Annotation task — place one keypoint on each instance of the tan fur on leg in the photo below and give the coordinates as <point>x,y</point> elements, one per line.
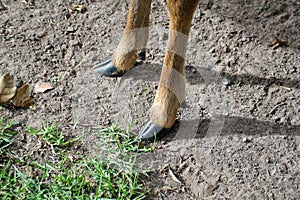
<point>167,100</point>
<point>135,35</point>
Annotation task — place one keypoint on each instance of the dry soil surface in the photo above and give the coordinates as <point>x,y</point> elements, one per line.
<point>238,133</point>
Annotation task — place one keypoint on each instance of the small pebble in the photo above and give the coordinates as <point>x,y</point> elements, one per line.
<point>247,139</point>
<point>284,137</point>
<point>226,49</point>
<point>71,29</point>
<point>226,82</point>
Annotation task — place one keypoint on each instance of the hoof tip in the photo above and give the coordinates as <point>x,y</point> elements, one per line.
<point>151,132</point>
<point>107,68</point>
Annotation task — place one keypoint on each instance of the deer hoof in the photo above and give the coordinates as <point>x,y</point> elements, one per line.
<point>107,68</point>
<point>151,132</point>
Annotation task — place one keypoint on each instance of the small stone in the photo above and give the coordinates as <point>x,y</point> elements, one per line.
<point>71,29</point>
<point>226,82</point>
<point>218,61</point>
<point>226,49</point>
<point>295,121</point>
<point>102,33</point>
<point>247,139</point>
<point>64,47</point>
<point>282,120</point>
<point>183,189</point>
<point>212,50</point>
<point>271,195</point>
<point>284,137</point>
<point>73,42</point>
<point>49,46</point>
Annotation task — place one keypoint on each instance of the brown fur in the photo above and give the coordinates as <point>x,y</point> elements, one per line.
<point>138,17</point>
<point>167,102</point>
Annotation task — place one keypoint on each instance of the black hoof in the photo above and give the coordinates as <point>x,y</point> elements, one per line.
<point>151,132</point>
<point>107,68</point>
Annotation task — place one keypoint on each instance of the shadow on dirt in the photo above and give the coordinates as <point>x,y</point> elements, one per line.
<point>197,76</point>
<point>253,80</point>
<point>233,125</point>
<point>248,127</point>
<point>230,124</point>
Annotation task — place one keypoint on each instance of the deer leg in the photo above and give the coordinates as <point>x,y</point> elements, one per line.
<point>134,38</point>
<point>171,88</point>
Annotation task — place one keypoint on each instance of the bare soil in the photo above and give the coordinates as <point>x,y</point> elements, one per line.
<point>238,133</point>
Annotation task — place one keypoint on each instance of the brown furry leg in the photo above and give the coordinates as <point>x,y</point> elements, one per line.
<point>135,35</point>
<point>171,88</point>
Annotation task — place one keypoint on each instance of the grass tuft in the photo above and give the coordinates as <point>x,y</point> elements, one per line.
<point>86,178</point>
<point>123,140</point>
<point>51,135</point>
<point>6,134</point>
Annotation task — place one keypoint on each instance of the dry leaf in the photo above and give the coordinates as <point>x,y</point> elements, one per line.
<point>78,7</point>
<point>172,189</point>
<point>22,98</point>
<point>174,178</point>
<point>7,88</point>
<point>278,43</point>
<point>41,87</point>
<point>164,168</point>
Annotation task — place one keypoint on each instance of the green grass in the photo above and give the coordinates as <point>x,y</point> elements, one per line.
<point>6,133</point>
<point>85,178</point>
<point>55,80</point>
<point>89,179</point>
<point>144,93</point>
<point>123,140</point>
<point>51,135</point>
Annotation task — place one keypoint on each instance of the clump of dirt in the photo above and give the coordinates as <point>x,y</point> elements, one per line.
<point>238,133</point>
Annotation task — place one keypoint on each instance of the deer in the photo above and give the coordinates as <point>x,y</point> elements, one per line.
<point>171,87</point>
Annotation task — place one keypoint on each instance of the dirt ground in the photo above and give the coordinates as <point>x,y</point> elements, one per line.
<point>238,133</point>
